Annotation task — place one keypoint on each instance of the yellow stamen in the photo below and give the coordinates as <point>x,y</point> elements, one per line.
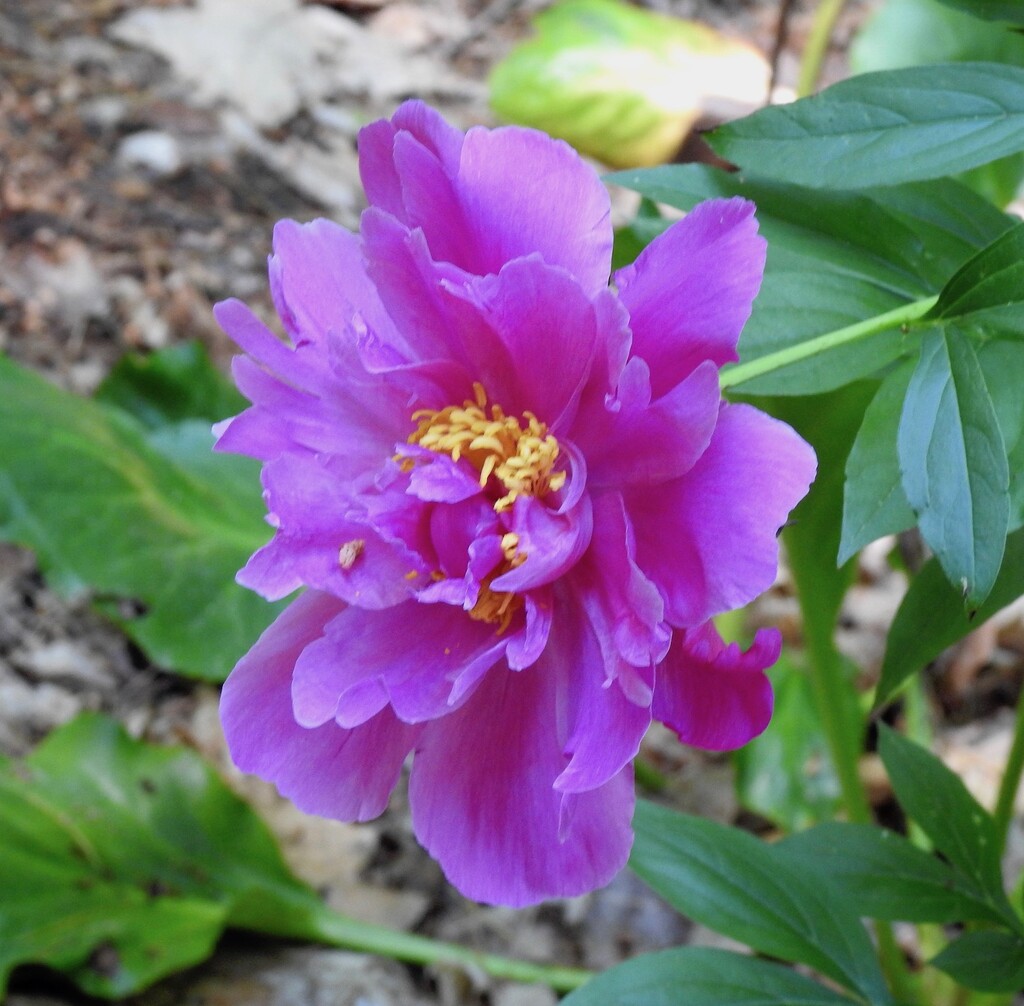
<point>519,453</point>
<point>350,551</point>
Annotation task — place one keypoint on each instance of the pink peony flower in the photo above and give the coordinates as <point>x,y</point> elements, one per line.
<point>515,499</point>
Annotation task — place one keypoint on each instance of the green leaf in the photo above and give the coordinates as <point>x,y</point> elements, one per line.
<point>149,515</point>
<point>987,961</point>
<point>700,976</point>
<point>619,83</point>
<point>1002,364</point>
<point>933,796</point>
<point>874,503</point>
<point>953,463</point>
<point>786,773</point>
<point>120,863</point>
<point>988,291</point>
<point>931,617</point>
<point>884,876</point>
<point>920,32</point>
<point>168,387</point>
<point>727,880</point>
<point>885,128</point>
<point>836,258</point>
<point>992,10</point>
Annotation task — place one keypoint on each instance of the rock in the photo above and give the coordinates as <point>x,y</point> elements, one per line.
<point>27,712</point>
<point>523,995</point>
<point>271,976</point>
<point>152,149</point>
<point>67,661</point>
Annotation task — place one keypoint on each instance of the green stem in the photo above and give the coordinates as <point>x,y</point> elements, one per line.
<point>896,318</point>
<point>1011,780</point>
<point>817,45</point>
<point>341,931</point>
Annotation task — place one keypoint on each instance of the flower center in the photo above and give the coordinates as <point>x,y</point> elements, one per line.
<point>519,453</point>
<point>498,606</point>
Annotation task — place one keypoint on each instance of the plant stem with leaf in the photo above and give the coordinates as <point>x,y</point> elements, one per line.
<point>339,930</point>
<point>897,318</point>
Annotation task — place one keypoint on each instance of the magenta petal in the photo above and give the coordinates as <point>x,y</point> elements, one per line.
<point>254,338</point>
<point>414,121</point>
<point>526,646</point>
<point>644,443</point>
<point>320,281</point>
<point>409,656</point>
<point>483,802</point>
<point>605,727</point>
<point>551,541</point>
<point>320,544</point>
<point>624,606</point>
<point>712,695</point>
<point>436,477</point>
<point>413,285</point>
<point>690,292</point>
<point>709,539</point>
<point>344,774</point>
<point>524,193</point>
<point>529,335</point>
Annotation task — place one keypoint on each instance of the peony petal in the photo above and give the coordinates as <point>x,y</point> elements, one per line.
<point>712,695</point>
<point>407,656</point>
<point>524,193</point>
<point>526,646</point>
<point>551,541</point>
<point>641,443</point>
<point>254,338</point>
<point>690,292</point>
<point>624,606</point>
<point>323,542</point>
<point>412,284</point>
<point>605,728</point>
<point>437,478</point>
<point>344,774</point>
<point>320,281</point>
<point>709,539</point>
<point>413,121</point>
<point>483,802</point>
<point>529,335</point>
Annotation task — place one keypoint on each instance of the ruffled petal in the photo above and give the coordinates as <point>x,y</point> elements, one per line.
<point>483,802</point>
<point>408,657</point>
<point>490,197</point>
<point>323,541</point>
<point>709,539</point>
<point>604,727</point>
<point>319,282</point>
<point>715,696</point>
<point>411,283</point>
<point>624,606</point>
<point>690,292</point>
<point>308,400</point>
<point>524,193</point>
<point>630,440</point>
<point>383,181</point>
<point>529,335</point>
<point>344,774</point>
<point>551,541</point>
